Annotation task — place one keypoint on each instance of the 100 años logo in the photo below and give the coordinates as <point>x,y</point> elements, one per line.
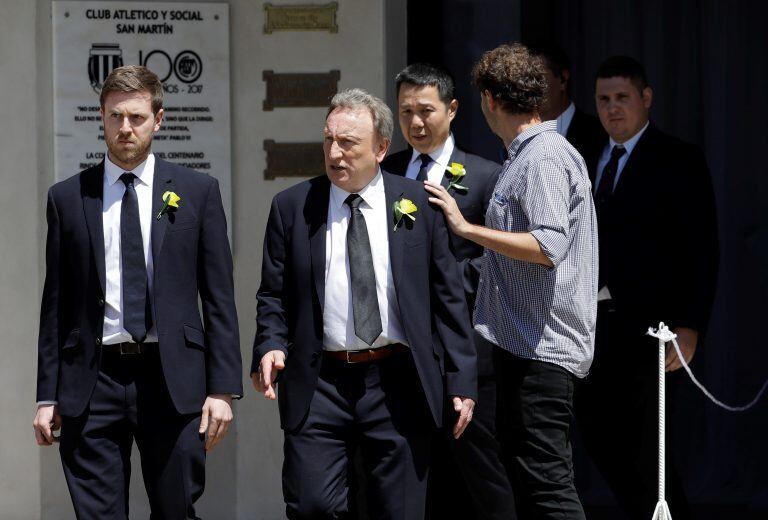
<point>186,66</point>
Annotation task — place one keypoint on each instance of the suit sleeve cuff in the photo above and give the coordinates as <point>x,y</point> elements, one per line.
<point>464,385</point>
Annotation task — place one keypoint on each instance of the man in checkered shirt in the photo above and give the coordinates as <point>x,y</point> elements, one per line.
<point>537,299</point>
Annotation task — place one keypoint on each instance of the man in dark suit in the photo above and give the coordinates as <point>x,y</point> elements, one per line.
<point>582,130</point>
<point>361,310</point>
<point>426,108</point>
<point>658,262</point>
<point>123,353</point>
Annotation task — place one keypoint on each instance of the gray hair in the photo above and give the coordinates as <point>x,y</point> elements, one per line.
<point>357,98</point>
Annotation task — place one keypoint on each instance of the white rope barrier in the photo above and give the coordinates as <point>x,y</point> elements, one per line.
<point>664,335</point>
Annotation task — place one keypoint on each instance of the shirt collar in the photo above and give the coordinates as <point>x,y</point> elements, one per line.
<point>564,119</point>
<point>143,172</point>
<point>372,194</point>
<point>630,143</point>
<point>442,155</point>
<point>529,133</point>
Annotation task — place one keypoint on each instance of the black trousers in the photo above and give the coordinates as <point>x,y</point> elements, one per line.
<point>535,413</point>
<point>470,465</point>
<point>617,413</point>
<point>130,402</point>
<point>379,408</point>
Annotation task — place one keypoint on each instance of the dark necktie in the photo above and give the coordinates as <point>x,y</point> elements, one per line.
<point>608,178</point>
<point>602,196</point>
<point>425,161</point>
<point>136,315</point>
<point>365,303</point>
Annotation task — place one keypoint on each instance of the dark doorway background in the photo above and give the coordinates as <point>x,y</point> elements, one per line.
<point>707,62</point>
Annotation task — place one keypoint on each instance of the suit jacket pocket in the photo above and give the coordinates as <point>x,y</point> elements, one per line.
<point>73,340</point>
<point>415,241</point>
<point>195,338</point>
<point>181,225</point>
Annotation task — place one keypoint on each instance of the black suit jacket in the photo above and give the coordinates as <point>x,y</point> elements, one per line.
<point>587,135</point>
<point>427,283</point>
<point>191,257</point>
<point>658,235</point>
<point>481,179</point>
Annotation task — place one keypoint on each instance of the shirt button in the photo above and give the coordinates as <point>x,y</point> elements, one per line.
<point>98,341</point>
<point>101,303</point>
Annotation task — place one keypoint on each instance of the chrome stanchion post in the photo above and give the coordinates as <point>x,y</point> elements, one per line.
<point>663,335</point>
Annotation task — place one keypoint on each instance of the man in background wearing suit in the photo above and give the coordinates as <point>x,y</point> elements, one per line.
<point>658,262</point>
<point>426,109</point>
<point>361,309</point>
<point>582,130</point>
<point>123,353</point>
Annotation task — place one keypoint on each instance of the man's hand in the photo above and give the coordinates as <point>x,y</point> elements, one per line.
<point>440,197</point>
<point>217,414</point>
<point>264,379</point>
<point>47,420</point>
<point>464,407</point>
<point>686,339</point>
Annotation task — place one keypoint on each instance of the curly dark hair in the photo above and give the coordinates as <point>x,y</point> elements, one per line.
<point>514,77</point>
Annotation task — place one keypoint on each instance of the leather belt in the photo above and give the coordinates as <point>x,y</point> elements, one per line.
<point>368,355</point>
<point>129,348</point>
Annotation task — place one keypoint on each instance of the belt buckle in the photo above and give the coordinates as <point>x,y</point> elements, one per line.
<point>128,349</point>
<point>352,362</point>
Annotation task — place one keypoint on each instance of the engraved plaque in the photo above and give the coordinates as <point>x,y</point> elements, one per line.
<point>317,17</point>
<point>293,159</point>
<point>300,90</point>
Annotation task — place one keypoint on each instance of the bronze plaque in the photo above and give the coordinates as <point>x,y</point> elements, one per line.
<point>293,159</point>
<point>300,90</point>
<point>314,17</point>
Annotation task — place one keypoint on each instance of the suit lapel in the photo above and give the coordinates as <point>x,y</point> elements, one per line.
<point>162,182</point>
<point>635,161</point>
<point>400,162</point>
<point>317,219</point>
<point>574,128</point>
<point>93,206</point>
<point>396,246</point>
<point>593,163</point>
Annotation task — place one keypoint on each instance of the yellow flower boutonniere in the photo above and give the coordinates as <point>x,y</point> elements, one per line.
<point>170,203</point>
<point>404,208</point>
<point>457,171</point>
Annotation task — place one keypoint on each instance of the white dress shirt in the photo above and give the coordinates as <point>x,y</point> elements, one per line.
<point>440,161</point>
<point>338,319</point>
<point>113,201</point>
<point>564,120</point>
<point>628,145</point>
